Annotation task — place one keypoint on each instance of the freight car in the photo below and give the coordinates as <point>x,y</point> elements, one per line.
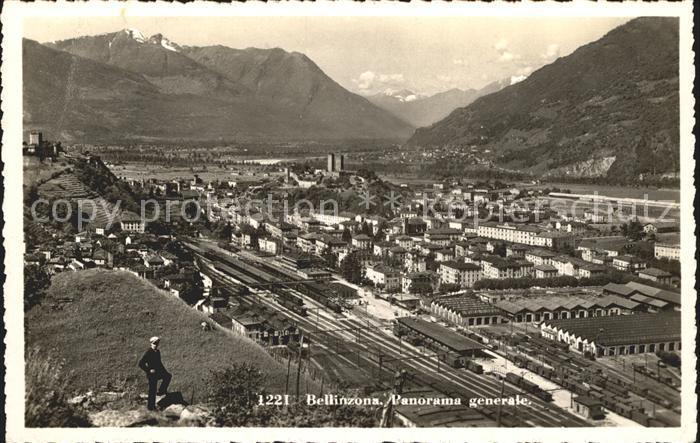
<point>321,294</point>
<point>474,367</point>
<point>292,306</point>
<point>528,386</point>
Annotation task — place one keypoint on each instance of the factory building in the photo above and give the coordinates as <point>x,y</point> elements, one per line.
<point>535,309</point>
<point>465,310</point>
<point>617,335</point>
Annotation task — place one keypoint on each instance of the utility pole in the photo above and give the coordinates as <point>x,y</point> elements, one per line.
<point>500,403</point>
<point>381,362</point>
<point>388,411</point>
<point>301,347</point>
<point>289,366</point>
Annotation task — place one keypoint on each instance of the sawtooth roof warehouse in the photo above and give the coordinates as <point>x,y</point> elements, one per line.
<point>618,335</point>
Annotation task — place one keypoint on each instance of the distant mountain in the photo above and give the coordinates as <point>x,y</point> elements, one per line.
<point>611,109</point>
<point>187,93</point>
<point>156,58</point>
<point>421,110</point>
<point>296,85</point>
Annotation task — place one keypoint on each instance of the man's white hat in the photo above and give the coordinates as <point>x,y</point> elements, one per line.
<point>154,339</point>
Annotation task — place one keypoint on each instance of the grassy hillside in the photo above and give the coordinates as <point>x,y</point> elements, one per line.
<point>104,331</point>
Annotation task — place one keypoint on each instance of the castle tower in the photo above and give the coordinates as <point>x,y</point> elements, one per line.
<point>331,162</point>
<point>340,162</point>
<point>35,138</point>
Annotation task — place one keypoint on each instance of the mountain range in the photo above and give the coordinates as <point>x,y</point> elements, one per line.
<point>421,110</point>
<point>610,109</point>
<point>123,86</point>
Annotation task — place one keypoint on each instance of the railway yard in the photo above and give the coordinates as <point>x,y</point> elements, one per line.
<point>354,350</point>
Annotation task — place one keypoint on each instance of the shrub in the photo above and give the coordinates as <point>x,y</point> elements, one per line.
<point>234,393</point>
<point>46,404</point>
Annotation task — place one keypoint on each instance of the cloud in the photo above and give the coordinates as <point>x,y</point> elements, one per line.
<point>501,45</point>
<point>391,78</point>
<point>507,56</point>
<point>370,81</point>
<point>504,54</point>
<point>517,78</point>
<point>365,80</point>
<point>525,70</point>
<point>552,52</point>
<point>520,75</point>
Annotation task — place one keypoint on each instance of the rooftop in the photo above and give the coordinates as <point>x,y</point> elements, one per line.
<point>461,266</point>
<point>446,337</point>
<point>467,305</point>
<point>655,272</point>
<point>563,302</point>
<point>624,329</point>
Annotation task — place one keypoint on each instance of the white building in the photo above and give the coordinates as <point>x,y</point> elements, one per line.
<point>671,251</point>
<point>458,273</point>
<point>385,277</point>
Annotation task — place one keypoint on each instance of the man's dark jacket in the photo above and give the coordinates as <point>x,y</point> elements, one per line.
<point>151,360</point>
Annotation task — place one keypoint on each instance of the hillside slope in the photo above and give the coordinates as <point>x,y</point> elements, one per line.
<point>104,330</point>
<point>611,109</point>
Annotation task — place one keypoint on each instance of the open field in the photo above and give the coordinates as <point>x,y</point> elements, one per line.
<point>104,329</point>
<point>651,193</point>
<point>240,173</point>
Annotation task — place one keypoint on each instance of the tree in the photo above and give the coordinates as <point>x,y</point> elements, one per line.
<point>36,281</point>
<point>330,258</point>
<point>223,231</point>
<point>420,287</point>
<point>347,236</point>
<point>234,393</point>
<point>632,230</point>
<point>430,263</point>
<point>158,228</point>
<point>499,249</point>
<point>193,290</point>
<point>449,287</point>
<point>351,267</point>
<point>366,228</point>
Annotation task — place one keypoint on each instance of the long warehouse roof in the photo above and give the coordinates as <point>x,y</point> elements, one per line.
<point>623,329</point>
<point>442,335</point>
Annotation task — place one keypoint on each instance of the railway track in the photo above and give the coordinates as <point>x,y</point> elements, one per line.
<point>397,355</point>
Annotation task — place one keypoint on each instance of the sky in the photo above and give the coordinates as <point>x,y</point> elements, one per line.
<point>368,55</point>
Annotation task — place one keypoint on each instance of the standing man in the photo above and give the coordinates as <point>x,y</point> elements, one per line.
<point>154,369</point>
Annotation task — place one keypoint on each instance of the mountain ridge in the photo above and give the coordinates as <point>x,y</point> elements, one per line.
<point>581,107</point>
<point>277,95</point>
<point>424,110</point>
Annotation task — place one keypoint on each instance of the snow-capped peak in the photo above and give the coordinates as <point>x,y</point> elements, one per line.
<point>403,95</point>
<point>167,44</point>
<point>136,35</point>
<point>158,39</point>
